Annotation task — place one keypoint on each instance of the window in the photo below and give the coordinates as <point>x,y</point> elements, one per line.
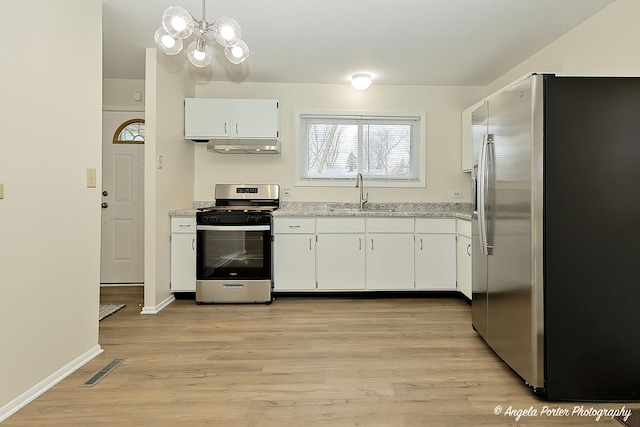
<point>334,148</point>
<point>130,132</point>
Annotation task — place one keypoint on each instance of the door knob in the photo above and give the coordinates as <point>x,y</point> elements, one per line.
<point>105,193</point>
<point>105,205</point>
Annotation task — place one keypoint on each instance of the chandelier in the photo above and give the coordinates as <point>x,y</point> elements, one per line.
<point>178,24</point>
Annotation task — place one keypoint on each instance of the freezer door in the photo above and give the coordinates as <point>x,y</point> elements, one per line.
<point>511,298</point>
<point>479,259</point>
<point>479,281</point>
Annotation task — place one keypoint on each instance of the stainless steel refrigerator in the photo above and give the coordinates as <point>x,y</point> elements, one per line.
<point>556,248</point>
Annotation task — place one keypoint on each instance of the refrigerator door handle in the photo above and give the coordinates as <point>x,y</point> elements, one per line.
<point>489,203</point>
<point>482,179</point>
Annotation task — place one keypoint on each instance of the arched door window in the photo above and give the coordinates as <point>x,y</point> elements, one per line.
<point>130,132</point>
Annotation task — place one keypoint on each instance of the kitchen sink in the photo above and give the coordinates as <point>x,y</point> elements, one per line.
<point>346,210</point>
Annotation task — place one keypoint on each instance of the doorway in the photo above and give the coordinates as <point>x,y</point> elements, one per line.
<point>122,247</point>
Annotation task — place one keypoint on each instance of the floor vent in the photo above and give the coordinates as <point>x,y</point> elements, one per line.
<point>103,373</point>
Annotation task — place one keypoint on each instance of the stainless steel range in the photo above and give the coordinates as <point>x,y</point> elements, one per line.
<point>233,245</point>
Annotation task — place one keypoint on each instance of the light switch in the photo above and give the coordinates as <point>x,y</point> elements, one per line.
<point>1,190</point>
<point>91,178</point>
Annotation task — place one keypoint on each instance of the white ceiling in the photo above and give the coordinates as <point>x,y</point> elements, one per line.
<point>400,42</point>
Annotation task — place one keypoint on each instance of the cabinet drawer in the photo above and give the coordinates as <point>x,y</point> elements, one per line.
<point>183,225</point>
<point>390,225</point>
<point>436,226</point>
<point>463,227</point>
<point>294,225</point>
<point>340,225</point>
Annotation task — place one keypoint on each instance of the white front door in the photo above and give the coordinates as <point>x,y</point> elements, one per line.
<point>122,252</point>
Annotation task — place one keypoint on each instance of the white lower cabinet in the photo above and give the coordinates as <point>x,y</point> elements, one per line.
<point>340,254</point>
<point>390,254</point>
<point>183,254</point>
<point>435,252</point>
<point>374,253</point>
<point>464,257</point>
<point>294,266</point>
<point>294,248</point>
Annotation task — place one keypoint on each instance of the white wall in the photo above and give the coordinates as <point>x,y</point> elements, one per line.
<point>118,94</point>
<point>170,188</point>
<point>604,45</point>
<point>50,132</point>
<point>442,105</point>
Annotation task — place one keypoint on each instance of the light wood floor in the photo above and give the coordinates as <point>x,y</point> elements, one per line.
<point>296,362</point>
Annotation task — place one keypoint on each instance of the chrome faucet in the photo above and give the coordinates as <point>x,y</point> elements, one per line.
<point>360,184</point>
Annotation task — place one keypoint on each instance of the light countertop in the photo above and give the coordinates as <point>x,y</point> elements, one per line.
<point>336,209</point>
<point>339,209</point>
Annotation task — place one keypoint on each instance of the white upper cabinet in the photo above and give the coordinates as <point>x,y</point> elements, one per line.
<point>206,118</point>
<point>466,142</point>
<point>255,118</point>
<point>217,118</point>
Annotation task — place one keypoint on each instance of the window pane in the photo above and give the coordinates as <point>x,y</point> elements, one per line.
<point>331,150</point>
<point>336,147</point>
<point>131,131</point>
<point>387,151</point>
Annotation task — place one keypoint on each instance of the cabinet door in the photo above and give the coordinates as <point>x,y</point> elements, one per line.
<point>255,118</point>
<point>389,261</point>
<point>465,141</point>
<point>183,262</point>
<point>436,261</point>
<point>464,266</point>
<point>340,261</point>
<point>207,118</point>
<point>294,262</point>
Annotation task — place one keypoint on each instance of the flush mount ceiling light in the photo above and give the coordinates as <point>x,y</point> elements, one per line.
<point>178,24</point>
<point>361,81</point>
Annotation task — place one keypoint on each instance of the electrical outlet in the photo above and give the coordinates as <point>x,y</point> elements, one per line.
<point>160,163</point>
<point>456,194</point>
<point>286,192</point>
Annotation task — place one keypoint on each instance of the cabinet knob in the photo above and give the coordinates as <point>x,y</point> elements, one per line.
<point>105,205</point>
<point>105,193</point>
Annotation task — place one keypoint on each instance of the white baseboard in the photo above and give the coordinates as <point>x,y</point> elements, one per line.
<point>28,396</point>
<point>159,307</point>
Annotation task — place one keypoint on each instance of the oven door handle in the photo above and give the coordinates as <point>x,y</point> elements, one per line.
<point>233,227</point>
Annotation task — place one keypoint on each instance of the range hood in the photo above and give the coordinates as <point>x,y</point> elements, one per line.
<point>244,146</point>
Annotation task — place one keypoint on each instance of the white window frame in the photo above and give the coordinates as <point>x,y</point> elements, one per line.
<point>301,149</point>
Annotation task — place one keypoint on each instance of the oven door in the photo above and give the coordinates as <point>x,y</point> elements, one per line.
<point>233,252</point>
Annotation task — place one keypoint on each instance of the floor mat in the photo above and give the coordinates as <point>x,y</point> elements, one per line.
<point>108,309</point>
